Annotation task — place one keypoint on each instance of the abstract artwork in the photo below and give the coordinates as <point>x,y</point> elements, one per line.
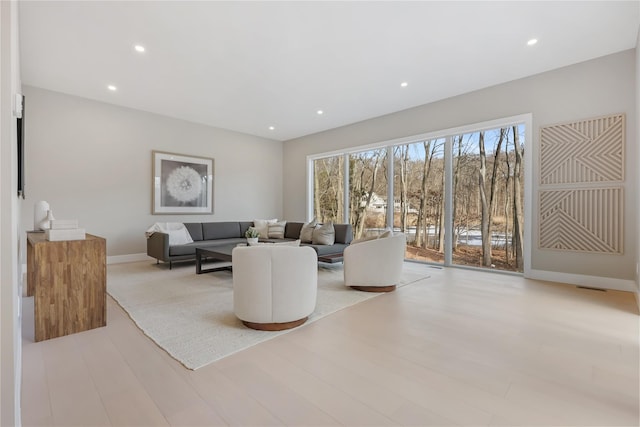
<point>182,184</point>
<point>581,208</point>
<point>583,152</point>
<point>585,220</point>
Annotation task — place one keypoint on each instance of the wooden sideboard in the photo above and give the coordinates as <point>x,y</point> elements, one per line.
<point>68,280</point>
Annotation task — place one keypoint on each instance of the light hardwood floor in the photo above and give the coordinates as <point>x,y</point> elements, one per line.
<point>461,348</point>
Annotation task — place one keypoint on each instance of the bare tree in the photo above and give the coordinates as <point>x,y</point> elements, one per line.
<point>517,200</point>
<point>422,233</point>
<point>316,193</point>
<point>485,222</point>
<point>507,200</point>
<point>404,166</point>
<point>363,176</point>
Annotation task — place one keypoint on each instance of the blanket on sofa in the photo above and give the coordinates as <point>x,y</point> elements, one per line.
<point>178,233</point>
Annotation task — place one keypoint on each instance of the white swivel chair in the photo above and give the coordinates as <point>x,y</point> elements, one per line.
<point>274,287</point>
<point>375,265</point>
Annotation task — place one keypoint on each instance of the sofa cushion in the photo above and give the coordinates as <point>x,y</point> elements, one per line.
<point>244,225</point>
<point>292,230</point>
<point>220,230</point>
<point>344,233</point>
<point>262,225</point>
<point>195,229</point>
<point>276,230</point>
<point>324,234</point>
<point>321,250</point>
<point>306,232</point>
<point>187,249</point>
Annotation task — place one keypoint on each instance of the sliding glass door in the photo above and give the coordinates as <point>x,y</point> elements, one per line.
<point>458,197</point>
<point>418,193</point>
<point>488,198</point>
<point>328,189</point>
<point>367,192</point>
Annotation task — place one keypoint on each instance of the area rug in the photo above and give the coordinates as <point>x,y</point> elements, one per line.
<point>191,316</point>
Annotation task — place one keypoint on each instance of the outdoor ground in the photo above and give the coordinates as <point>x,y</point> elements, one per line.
<point>463,255</point>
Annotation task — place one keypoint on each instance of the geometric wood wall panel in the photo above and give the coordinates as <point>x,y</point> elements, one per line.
<point>585,220</point>
<point>584,151</point>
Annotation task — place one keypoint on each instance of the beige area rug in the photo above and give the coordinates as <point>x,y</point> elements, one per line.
<point>191,316</point>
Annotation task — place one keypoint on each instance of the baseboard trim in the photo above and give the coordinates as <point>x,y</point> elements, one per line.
<point>121,259</point>
<point>584,280</point>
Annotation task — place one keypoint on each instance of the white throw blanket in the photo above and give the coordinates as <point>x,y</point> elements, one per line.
<point>178,233</point>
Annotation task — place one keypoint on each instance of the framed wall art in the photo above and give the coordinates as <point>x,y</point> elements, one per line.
<point>182,184</point>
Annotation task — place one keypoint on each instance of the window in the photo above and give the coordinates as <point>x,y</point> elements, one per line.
<point>458,195</point>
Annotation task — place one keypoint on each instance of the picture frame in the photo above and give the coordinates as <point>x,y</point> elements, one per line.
<point>182,184</point>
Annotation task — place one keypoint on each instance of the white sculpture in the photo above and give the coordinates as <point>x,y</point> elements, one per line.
<point>45,224</point>
<point>40,212</point>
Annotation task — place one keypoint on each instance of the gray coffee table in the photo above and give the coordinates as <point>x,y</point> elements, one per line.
<point>220,253</point>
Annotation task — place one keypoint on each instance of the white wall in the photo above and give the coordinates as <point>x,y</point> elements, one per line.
<point>92,162</point>
<point>590,89</point>
<point>10,336</point>
<point>637,92</point>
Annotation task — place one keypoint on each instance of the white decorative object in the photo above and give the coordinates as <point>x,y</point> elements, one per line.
<point>252,240</point>
<point>45,224</point>
<point>68,234</point>
<point>39,213</point>
<point>64,224</point>
<point>178,233</point>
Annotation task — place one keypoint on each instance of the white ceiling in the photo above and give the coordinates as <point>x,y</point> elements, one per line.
<point>245,66</point>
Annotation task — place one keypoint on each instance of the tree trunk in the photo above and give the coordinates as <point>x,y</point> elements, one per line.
<point>456,178</point>
<point>485,227</point>
<point>507,205</point>
<point>316,192</point>
<point>422,233</point>
<point>494,180</point>
<point>517,201</point>
<point>404,157</point>
<point>339,191</point>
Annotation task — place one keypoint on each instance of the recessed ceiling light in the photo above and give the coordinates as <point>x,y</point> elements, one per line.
<point>139,48</point>
<point>404,84</point>
<point>320,112</point>
<point>112,88</point>
<point>532,42</point>
<point>271,128</point>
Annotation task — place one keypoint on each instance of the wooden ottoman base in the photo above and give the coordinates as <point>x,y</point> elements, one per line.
<point>275,326</point>
<point>374,288</point>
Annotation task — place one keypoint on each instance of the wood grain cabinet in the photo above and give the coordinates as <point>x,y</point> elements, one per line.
<point>68,280</point>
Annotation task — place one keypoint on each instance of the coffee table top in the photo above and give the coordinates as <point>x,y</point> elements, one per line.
<point>222,252</point>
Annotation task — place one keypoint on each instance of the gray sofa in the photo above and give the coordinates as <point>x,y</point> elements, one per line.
<point>207,234</point>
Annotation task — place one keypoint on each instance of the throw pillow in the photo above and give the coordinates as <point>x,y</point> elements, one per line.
<point>306,233</point>
<point>262,225</point>
<point>276,230</point>
<point>324,234</point>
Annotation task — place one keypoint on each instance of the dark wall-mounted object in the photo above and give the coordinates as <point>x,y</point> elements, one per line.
<point>21,153</point>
